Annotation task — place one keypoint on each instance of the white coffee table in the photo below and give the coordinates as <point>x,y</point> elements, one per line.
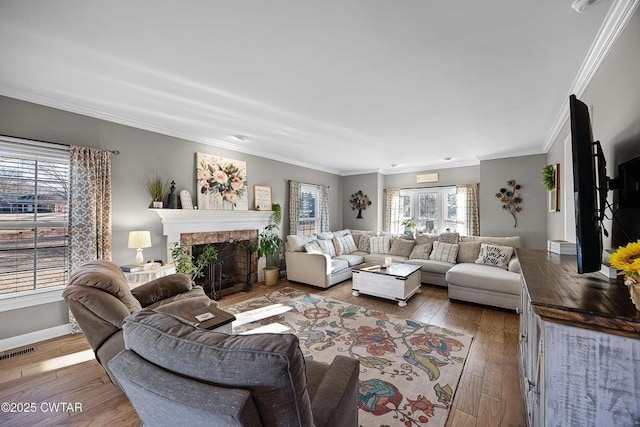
<point>397,282</point>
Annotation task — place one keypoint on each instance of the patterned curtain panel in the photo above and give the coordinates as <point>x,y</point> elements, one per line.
<point>468,213</point>
<point>89,209</point>
<point>323,192</point>
<point>392,211</point>
<point>294,206</point>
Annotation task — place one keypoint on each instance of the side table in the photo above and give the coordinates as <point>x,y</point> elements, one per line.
<point>138,278</point>
<point>220,322</point>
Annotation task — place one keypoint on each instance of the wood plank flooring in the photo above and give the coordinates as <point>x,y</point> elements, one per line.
<point>64,369</point>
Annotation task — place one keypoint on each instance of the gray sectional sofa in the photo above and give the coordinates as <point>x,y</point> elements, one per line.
<point>466,280</point>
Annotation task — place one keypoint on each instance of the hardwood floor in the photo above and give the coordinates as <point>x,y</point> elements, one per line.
<point>64,369</point>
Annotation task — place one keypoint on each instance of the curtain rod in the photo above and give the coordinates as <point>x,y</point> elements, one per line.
<point>308,183</point>
<point>62,146</point>
<point>433,186</point>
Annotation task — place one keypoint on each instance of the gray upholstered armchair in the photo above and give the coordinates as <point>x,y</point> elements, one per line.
<point>100,299</point>
<point>177,374</point>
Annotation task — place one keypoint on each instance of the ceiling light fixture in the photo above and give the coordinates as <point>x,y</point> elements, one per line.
<point>397,165</point>
<point>446,159</point>
<point>241,138</point>
<point>580,5</point>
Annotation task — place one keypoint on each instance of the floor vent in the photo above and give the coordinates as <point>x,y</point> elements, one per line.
<point>17,353</point>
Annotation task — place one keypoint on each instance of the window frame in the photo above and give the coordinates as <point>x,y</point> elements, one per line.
<point>442,221</point>
<point>37,151</point>
<point>314,189</point>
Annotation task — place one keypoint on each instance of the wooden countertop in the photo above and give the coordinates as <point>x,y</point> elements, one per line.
<point>559,294</point>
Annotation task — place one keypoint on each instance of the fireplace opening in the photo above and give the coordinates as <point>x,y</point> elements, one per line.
<point>231,272</point>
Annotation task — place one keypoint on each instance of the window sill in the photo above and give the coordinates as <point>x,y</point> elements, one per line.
<point>31,298</point>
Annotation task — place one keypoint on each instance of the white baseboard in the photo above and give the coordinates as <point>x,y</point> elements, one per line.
<point>34,337</point>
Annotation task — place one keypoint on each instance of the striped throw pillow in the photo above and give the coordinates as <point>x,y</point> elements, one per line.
<point>444,252</point>
<point>344,244</point>
<point>380,245</point>
<point>327,247</point>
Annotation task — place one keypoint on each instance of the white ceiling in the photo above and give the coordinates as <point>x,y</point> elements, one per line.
<point>342,86</point>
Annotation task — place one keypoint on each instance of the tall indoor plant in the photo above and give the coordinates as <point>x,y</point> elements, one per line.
<point>270,245</point>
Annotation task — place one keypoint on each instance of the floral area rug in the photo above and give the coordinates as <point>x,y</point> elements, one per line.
<point>409,371</point>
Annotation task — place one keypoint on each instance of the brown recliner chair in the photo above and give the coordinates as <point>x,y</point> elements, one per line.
<point>100,299</point>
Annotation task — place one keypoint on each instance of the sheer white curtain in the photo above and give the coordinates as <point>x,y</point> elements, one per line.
<point>392,210</point>
<point>467,209</point>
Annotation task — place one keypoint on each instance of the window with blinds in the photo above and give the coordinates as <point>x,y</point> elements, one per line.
<point>34,215</point>
<point>308,222</point>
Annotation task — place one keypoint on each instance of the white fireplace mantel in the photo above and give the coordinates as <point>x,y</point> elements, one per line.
<point>178,221</point>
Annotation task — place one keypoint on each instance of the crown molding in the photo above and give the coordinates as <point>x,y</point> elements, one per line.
<point>139,124</point>
<point>514,153</point>
<point>615,21</point>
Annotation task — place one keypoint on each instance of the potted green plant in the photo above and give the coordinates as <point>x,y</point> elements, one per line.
<point>409,225</point>
<point>549,177</point>
<point>270,244</point>
<point>157,188</point>
<point>185,263</point>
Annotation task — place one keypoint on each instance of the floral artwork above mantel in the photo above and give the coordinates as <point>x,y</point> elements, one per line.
<point>510,199</point>
<point>359,201</point>
<point>222,183</point>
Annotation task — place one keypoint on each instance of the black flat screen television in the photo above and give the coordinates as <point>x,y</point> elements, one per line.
<point>589,187</point>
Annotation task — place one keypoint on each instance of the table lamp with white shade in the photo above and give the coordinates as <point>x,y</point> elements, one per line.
<point>139,240</point>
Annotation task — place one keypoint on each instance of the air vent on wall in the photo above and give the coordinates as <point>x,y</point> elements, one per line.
<point>427,177</point>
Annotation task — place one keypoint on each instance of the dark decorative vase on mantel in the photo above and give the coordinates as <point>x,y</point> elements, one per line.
<point>173,197</point>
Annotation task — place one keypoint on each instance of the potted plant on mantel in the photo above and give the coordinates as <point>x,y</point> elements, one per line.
<point>270,245</point>
<point>157,187</point>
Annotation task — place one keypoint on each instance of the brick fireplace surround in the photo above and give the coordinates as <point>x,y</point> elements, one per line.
<point>198,227</point>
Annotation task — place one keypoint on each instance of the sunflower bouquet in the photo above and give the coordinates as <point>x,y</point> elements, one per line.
<point>627,260</point>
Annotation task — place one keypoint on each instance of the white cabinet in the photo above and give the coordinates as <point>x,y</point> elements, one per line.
<point>579,346</point>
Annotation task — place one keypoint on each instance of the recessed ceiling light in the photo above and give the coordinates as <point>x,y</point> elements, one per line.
<point>446,159</point>
<point>396,165</point>
<point>241,138</point>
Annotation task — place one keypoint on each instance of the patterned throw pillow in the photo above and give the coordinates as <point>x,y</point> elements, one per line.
<point>327,247</point>
<point>444,252</point>
<point>402,247</point>
<point>313,247</point>
<point>364,243</point>
<point>380,245</point>
<point>344,244</point>
<point>495,255</point>
<point>421,251</point>
<point>449,237</point>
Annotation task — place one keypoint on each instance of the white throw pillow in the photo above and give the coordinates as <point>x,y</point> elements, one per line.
<point>296,243</point>
<point>327,247</point>
<point>380,245</point>
<point>495,255</point>
<point>313,247</point>
<point>344,244</point>
<point>444,252</point>
<point>325,235</point>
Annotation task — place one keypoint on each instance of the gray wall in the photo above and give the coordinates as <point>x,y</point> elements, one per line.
<point>369,184</point>
<point>494,221</point>
<point>613,95</point>
<point>142,152</point>
<point>453,176</point>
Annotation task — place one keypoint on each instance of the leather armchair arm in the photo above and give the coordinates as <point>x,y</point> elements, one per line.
<point>162,288</point>
<point>335,402</point>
